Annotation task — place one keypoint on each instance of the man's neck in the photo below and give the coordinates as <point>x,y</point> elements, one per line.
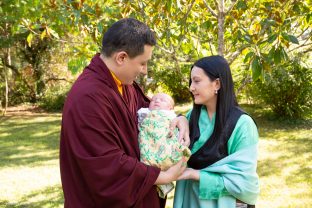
<point>109,63</point>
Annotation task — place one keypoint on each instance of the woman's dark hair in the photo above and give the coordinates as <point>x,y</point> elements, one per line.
<point>215,67</point>
<point>129,35</point>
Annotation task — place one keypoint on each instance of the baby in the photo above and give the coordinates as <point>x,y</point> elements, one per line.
<point>157,148</point>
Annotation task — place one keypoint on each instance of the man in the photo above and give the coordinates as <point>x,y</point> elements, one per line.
<point>99,152</point>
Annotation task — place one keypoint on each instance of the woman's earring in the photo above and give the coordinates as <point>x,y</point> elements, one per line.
<point>216,92</point>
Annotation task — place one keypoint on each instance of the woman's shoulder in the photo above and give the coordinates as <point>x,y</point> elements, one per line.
<point>245,134</point>
<point>246,119</point>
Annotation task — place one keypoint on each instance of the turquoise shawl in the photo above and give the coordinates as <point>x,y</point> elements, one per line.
<point>240,179</point>
<point>233,177</point>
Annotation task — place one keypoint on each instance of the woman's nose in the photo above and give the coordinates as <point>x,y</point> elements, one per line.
<point>191,88</point>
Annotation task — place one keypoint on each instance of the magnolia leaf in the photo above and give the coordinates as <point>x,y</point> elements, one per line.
<point>285,36</point>
<point>284,54</point>
<point>256,68</point>
<point>248,56</point>
<point>277,56</point>
<point>293,39</point>
<point>53,33</point>
<point>272,38</point>
<point>29,39</point>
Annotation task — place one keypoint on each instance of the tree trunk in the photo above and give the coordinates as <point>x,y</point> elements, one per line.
<point>221,17</point>
<point>6,101</point>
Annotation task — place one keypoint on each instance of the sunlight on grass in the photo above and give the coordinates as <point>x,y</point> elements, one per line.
<point>285,167</point>
<point>4,134</point>
<point>17,182</point>
<point>29,165</point>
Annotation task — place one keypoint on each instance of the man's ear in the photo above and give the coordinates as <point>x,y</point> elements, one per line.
<point>120,57</point>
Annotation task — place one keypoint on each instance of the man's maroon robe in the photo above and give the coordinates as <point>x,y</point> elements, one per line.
<point>99,151</point>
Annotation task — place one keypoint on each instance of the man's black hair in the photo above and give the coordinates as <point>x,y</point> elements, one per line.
<point>129,35</point>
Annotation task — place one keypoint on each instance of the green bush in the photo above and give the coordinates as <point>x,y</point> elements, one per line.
<point>287,90</point>
<point>53,99</point>
<point>170,76</point>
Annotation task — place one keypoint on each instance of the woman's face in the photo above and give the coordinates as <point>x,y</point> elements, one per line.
<point>202,88</point>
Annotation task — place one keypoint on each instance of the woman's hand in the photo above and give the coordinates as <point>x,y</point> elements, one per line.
<point>184,133</point>
<point>190,173</point>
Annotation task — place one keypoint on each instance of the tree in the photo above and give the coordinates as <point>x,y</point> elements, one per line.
<point>255,36</point>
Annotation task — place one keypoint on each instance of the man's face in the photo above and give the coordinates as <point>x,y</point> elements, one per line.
<point>133,67</point>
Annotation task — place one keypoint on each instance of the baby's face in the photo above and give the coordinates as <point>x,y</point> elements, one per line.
<point>161,101</point>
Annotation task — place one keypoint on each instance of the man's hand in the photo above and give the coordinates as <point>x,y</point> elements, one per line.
<point>184,133</point>
<point>172,174</point>
<point>190,173</point>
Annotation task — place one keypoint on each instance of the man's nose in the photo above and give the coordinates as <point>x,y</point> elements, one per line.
<point>144,70</point>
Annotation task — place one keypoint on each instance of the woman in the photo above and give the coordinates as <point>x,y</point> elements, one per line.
<point>222,169</point>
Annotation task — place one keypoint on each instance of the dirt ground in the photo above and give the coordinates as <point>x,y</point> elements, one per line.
<point>22,110</point>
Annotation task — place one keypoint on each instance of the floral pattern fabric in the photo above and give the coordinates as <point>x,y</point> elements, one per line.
<point>156,147</point>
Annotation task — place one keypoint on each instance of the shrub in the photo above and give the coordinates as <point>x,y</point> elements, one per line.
<point>53,99</point>
<point>287,90</point>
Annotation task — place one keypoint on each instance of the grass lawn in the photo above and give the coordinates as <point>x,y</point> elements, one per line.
<point>29,166</point>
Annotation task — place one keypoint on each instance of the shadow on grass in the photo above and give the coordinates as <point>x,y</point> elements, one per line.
<point>289,149</point>
<point>29,140</point>
<point>48,197</point>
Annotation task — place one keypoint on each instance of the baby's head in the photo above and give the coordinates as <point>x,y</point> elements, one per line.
<point>161,101</point>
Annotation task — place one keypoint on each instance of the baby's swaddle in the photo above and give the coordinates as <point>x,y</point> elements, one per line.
<point>156,147</point>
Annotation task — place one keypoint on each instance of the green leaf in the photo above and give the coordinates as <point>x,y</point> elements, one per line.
<point>84,19</point>
<point>308,17</point>
<point>271,53</point>
<point>256,68</point>
<point>285,36</point>
<point>284,54</point>
<point>168,5</point>
<point>293,39</point>
<point>207,24</point>
<point>248,56</point>
<point>272,38</point>
<point>296,8</point>
<point>277,56</point>
<point>241,5</point>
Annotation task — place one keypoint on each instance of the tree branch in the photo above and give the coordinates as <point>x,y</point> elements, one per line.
<point>308,50</point>
<point>231,58</point>
<point>246,81</point>
<point>12,67</point>
<point>300,46</point>
<point>210,9</point>
<point>231,7</point>
<point>58,79</point>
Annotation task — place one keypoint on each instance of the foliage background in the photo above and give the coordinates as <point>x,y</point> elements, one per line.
<point>44,45</point>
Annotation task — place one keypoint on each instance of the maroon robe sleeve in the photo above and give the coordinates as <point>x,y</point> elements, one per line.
<point>99,155</point>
